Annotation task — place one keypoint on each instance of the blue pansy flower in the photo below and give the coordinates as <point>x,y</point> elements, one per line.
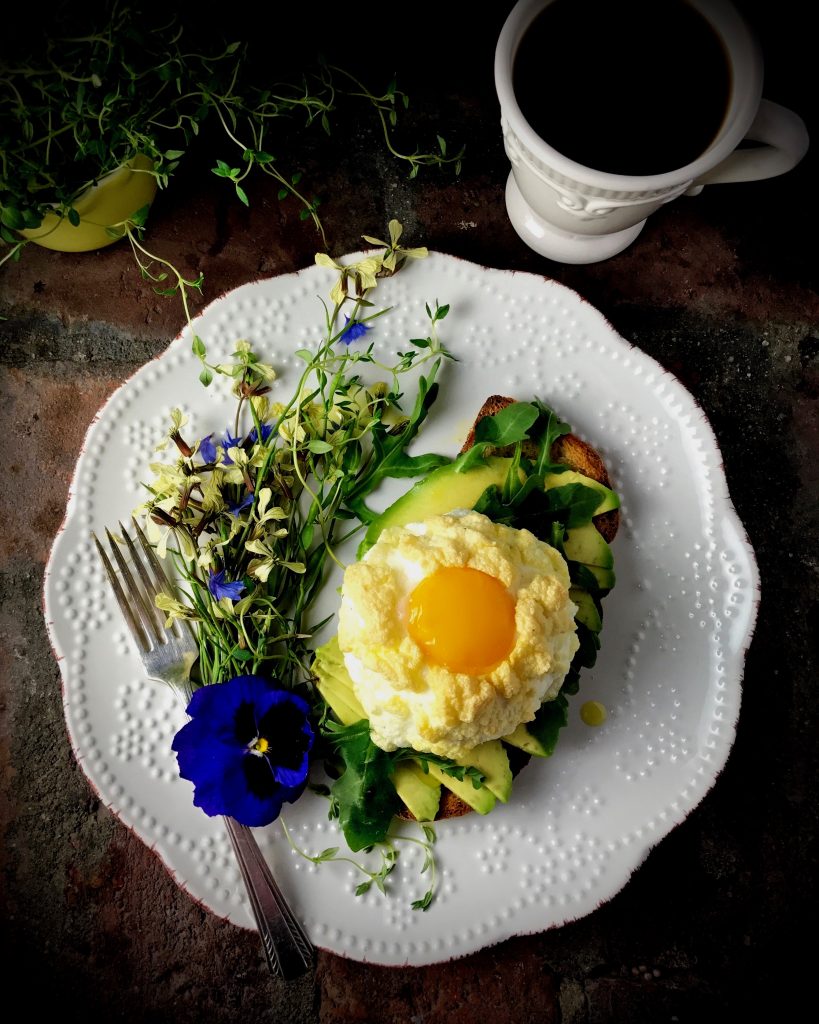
<point>219,588</point>
<point>245,749</point>
<point>267,430</point>
<point>353,330</point>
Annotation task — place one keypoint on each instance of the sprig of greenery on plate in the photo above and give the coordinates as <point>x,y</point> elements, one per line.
<point>252,516</point>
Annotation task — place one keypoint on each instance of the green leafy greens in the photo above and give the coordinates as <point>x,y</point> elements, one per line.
<point>362,797</point>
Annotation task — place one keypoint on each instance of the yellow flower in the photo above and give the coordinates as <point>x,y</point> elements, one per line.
<point>178,421</point>
<point>159,534</point>
<point>395,253</point>
<point>365,272</point>
<point>173,608</point>
<point>211,487</point>
<point>171,477</point>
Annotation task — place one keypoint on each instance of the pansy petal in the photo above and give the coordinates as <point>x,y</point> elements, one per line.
<point>215,707</point>
<point>201,758</point>
<point>228,794</point>
<point>291,777</point>
<point>271,698</point>
<point>217,699</point>
<point>215,748</point>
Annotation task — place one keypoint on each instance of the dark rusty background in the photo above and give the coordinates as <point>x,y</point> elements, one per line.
<point>721,289</point>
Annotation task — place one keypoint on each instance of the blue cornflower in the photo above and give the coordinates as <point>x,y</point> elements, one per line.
<point>219,588</point>
<point>245,749</point>
<point>353,330</point>
<point>237,506</point>
<point>267,430</point>
<point>229,441</point>
<point>207,449</point>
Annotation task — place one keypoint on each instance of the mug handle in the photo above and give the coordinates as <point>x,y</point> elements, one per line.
<point>784,139</point>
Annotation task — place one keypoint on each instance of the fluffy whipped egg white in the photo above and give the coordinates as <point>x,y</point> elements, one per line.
<point>454,630</point>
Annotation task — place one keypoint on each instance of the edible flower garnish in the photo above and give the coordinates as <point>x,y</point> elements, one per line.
<point>245,748</point>
<point>220,587</point>
<point>250,515</point>
<point>354,330</point>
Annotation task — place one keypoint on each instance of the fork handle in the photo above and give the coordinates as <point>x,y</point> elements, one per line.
<point>288,951</point>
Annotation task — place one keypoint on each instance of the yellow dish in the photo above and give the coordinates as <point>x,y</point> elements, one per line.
<point>114,198</point>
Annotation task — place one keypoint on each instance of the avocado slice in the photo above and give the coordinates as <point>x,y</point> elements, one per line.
<point>604,577</point>
<point>524,740</point>
<point>587,611</point>
<point>481,800</point>
<point>492,760</point>
<point>421,792</point>
<point>585,544</point>
<point>334,683</point>
<point>608,498</point>
<point>441,491</point>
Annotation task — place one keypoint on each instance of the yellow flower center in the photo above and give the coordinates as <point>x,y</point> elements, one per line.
<point>261,746</point>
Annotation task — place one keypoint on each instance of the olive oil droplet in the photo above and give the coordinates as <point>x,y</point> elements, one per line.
<point>593,713</point>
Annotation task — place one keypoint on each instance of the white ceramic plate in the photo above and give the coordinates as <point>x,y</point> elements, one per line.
<point>676,626</point>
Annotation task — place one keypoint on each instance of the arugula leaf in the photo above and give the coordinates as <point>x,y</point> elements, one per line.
<point>364,796</point>
<point>447,765</point>
<point>528,509</point>
<point>586,653</point>
<point>507,426</point>
<point>547,428</point>
<point>578,501</point>
<point>571,684</point>
<point>528,505</point>
<point>403,465</point>
<point>388,458</point>
<point>471,457</point>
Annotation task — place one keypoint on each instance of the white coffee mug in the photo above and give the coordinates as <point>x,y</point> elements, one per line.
<point>576,214</point>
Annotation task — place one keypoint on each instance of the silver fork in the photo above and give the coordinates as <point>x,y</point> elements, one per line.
<point>167,655</point>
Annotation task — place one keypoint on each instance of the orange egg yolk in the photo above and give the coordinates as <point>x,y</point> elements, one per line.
<point>462,619</point>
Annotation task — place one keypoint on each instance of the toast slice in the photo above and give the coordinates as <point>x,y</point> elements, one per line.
<point>568,450</point>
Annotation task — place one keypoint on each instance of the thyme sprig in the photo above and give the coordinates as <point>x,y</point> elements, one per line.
<point>100,86</point>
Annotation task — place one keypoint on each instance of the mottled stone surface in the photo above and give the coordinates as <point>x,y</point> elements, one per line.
<point>723,290</point>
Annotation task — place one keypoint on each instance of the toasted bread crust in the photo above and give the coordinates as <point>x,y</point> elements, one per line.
<point>568,450</point>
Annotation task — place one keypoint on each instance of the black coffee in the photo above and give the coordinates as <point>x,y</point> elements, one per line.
<point>624,86</point>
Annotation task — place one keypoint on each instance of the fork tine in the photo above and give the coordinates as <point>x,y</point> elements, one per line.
<point>162,581</point>
<point>151,589</point>
<point>122,601</point>
<point>137,597</point>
